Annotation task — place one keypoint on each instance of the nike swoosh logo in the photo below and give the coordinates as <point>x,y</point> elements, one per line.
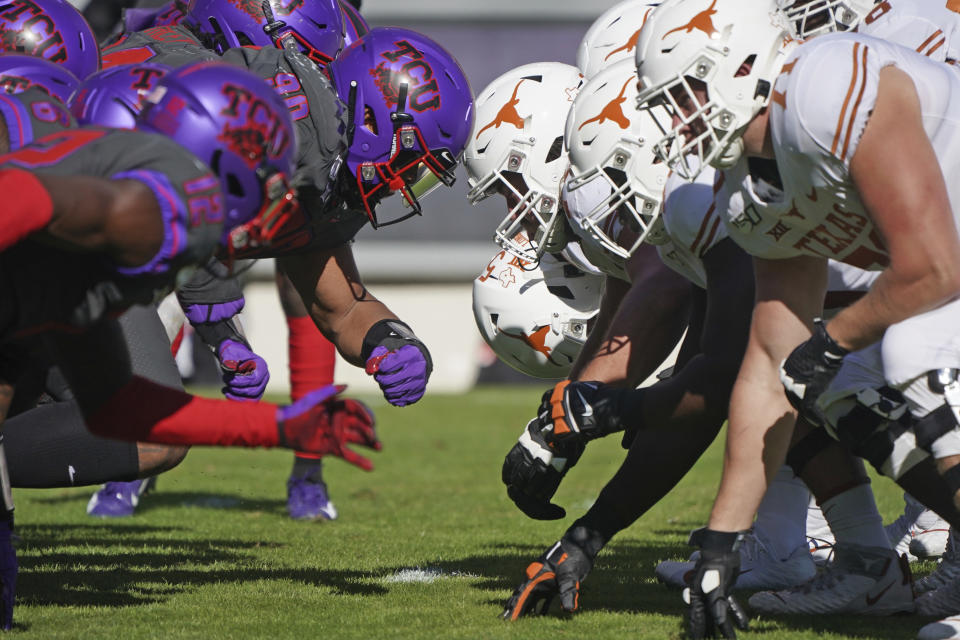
<point>873,601</point>
<point>587,409</point>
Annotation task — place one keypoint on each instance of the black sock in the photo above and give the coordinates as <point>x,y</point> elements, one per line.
<point>309,468</point>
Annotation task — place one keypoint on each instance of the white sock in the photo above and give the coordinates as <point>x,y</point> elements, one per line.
<point>817,525</point>
<point>782,515</point>
<point>853,518</point>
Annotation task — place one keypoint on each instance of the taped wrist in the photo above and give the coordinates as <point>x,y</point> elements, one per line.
<point>393,334</point>
<point>719,541</point>
<point>27,206</point>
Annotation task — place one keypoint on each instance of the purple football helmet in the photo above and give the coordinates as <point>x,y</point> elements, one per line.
<point>113,97</point>
<point>238,126</point>
<point>410,113</point>
<point>18,73</point>
<point>354,26</point>
<point>314,27</point>
<point>50,29</point>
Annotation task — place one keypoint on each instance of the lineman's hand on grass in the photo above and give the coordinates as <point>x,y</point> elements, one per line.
<point>558,572</point>
<point>713,610</point>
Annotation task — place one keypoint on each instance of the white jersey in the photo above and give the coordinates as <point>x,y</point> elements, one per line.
<point>819,108</point>
<point>929,27</point>
<point>693,224</point>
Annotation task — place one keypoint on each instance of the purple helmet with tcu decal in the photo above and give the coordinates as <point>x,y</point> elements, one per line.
<point>19,73</point>
<point>238,126</point>
<point>354,26</point>
<point>410,112</point>
<point>113,97</point>
<point>50,29</point>
<point>314,26</point>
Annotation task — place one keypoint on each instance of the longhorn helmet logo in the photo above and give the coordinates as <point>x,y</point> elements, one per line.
<point>507,113</point>
<point>630,45</point>
<point>703,21</point>
<point>613,110</point>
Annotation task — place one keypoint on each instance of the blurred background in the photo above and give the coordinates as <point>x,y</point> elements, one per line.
<point>423,268</point>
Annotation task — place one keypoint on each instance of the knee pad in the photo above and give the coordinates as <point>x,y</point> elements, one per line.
<point>879,429</point>
<point>938,432</point>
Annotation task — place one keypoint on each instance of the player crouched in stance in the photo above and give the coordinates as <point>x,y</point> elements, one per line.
<point>121,216</point>
<point>860,180</point>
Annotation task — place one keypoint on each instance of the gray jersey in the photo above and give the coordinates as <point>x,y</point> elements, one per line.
<point>32,114</point>
<point>43,286</point>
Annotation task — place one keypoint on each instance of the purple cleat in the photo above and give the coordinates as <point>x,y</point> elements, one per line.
<point>118,499</point>
<point>307,499</point>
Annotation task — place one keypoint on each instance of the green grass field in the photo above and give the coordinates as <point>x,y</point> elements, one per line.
<point>212,554</point>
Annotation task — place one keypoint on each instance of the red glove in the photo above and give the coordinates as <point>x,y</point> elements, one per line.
<point>323,423</point>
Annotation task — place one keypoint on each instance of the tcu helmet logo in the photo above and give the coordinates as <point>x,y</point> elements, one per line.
<point>255,129</point>
<point>25,28</point>
<point>424,92</point>
<point>284,10</point>
<point>252,8</point>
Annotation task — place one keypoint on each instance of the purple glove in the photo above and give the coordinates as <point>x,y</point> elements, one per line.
<point>244,373</point>
<point>402,374</point>
<point>8,575</point>
<point>210,313</point>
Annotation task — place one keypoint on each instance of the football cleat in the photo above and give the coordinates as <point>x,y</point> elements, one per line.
<point>759,569</point>
<point>940,602</point>
<point>946,629</point>
<point>861,580</point>
<point>119,499</point>
<point>307,499</point>
<point>919,536</point>
<point>948,570</point>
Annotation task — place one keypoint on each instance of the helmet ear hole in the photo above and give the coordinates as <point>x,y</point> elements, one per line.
<point>243,39</point>
<point>746,66</point>
<point>555,151</point>
<point>234,186</point>
<point>215,161</point>
<point>370,120</point>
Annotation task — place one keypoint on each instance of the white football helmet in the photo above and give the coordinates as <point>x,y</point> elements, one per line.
<point>611,143</point>
<point>516,149</point>
<point>535,318</point>
<point>736,48</point>
<point>809,18</point>
<point>613,36</point>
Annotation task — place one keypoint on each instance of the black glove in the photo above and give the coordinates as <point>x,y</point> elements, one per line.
<point>532,472</point>
<point>580,411</point>
<point>808,370</point>
<point>560,570</point>
<point>713,610</point>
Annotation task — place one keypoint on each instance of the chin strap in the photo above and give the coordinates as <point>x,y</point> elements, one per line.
<point>273,25</point>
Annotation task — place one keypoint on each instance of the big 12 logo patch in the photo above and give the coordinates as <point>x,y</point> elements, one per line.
<point>424,92</point>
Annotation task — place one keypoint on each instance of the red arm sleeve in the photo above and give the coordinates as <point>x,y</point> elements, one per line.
<point>27,206</point>
<point>143,411</point>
